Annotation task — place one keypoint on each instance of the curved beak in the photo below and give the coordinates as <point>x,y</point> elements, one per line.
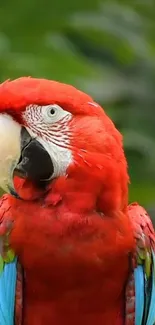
<point>21,155</point>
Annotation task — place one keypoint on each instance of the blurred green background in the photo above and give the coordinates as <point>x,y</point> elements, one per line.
<point>106,48</point>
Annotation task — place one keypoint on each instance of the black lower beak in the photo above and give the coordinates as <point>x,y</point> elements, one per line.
<point>35,163</point>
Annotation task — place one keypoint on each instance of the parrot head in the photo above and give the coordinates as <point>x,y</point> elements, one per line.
<point>50,130</point>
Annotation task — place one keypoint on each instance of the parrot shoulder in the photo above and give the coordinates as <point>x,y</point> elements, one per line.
<point>140,290</point>
<point>8,265</point>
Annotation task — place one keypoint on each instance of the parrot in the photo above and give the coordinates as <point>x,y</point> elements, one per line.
<point>73,251</point>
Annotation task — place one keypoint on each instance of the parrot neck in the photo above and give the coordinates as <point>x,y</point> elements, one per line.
<point>86,195</point>
<point>78,197</point>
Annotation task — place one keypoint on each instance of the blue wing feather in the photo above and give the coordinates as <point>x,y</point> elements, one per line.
<point>145,295</point>
<point>139,294</point>
<point>7,293</point>
<point>142,291</point>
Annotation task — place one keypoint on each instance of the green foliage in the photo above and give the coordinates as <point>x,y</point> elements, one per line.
<point>106,49</point>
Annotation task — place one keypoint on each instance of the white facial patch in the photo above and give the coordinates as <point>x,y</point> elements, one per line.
<point>49,126</point>
<point>9,149</point>
<point>61,157</point>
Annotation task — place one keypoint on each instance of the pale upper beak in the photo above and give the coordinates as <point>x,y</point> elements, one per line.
<point>9,150</point>
<point>21,155</point>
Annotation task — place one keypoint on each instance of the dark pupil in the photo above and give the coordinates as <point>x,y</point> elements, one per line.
<point>52,111</point>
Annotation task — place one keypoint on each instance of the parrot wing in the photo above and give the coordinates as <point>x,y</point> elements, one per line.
<point>9,274</point>
<point>140,290</point>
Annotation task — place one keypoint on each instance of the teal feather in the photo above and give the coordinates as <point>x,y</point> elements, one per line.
<point>139,294</point>
<point>7,293</point>
<point>145,294</point>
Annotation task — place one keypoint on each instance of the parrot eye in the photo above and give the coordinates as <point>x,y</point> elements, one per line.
<point>53,113</point>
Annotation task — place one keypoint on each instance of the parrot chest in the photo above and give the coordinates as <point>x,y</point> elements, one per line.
<point>74,271</point>
<point>84,307</point>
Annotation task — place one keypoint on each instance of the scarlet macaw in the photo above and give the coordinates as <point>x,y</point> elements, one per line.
<point>72,251</point>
